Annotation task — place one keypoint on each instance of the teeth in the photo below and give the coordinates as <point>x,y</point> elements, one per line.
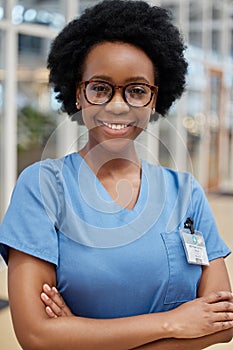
<point>115,126</point>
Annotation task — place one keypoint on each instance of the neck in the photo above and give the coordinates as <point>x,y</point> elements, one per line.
<point>101,160</point>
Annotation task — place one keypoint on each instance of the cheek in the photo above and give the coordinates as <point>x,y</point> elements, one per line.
<point>143,117</point>
<point>89,114</point>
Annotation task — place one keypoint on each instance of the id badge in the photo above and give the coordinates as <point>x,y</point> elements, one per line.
<point>194,246</point>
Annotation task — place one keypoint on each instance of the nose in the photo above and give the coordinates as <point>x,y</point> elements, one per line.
<point>117,105</point>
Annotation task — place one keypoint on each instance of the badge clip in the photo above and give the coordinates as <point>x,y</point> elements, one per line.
<point>194,244</point>
<point>189,224</point>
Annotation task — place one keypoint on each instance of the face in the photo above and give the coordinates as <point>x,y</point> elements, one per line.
<point>116,124</point>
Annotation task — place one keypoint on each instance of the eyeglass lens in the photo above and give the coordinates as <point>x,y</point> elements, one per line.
<point>136,94</point>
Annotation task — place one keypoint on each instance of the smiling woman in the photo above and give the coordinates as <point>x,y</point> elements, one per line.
<point>116,64</point>
<point>95,244</point>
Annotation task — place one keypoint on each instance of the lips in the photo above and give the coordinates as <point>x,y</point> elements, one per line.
<point>116,126</point>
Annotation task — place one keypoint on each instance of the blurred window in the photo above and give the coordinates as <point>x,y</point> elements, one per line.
<point>231,42</point>
<point>1,113</point>
<point>195,25</point>
<point>36,119</point>
<point>216,38</point>
<point>30,44</point>
<point>167,139</point>
<point>2,9</point>
<point>1,53</point>
<point>83,4</point>
<point>173,8</point>
<point>195,38</point>
<point>48,13</point>
<point>214,122</point>
<point>195,11</point>
<point>217,7</point>
<point>194,123</point>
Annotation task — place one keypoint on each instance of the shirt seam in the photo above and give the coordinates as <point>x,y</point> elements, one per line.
<point>22,247</point>
<point>57,172</point>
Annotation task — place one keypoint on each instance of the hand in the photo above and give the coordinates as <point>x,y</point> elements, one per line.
<point>203,316</point>
<point>55,305</point>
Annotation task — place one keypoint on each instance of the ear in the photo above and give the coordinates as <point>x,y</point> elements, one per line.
<point>78,98</point>
<point>153,107</point>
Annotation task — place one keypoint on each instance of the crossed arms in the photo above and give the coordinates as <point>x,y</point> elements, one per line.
<point>194,325</point>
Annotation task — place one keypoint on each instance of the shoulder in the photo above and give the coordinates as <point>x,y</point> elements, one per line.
<point>177,177</point>
<point>185,185</point>
<point>171,177</point>
<point>45,169</point>
<point>181,188</point>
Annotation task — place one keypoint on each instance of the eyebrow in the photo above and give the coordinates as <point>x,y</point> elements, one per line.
<point>130,79</point>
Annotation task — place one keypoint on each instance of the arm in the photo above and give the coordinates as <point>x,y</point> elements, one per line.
<point>214,277</point>
<point>26,276</point>
<point>190,344</point>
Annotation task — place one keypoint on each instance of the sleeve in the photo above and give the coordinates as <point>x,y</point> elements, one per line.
<point>205,223</point>
<point>30,223</point>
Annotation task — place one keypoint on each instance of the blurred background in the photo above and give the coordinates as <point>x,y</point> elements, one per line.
<point>197,136</point>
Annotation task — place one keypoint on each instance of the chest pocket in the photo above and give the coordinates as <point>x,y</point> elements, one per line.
<point>184,278</point>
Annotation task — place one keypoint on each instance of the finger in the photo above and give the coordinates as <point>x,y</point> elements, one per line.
<point>223,316</point>
<point>223,325</point>
<point>53,294</point>
<point>49,312</point>
<point>56,298</point>
<point>218,296</point>
<point>222,306</point>
<point>60,302</point>
<point>53,306</point>
<point>48,290</point>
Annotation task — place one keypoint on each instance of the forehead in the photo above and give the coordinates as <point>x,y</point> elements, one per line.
<point>118,61</point>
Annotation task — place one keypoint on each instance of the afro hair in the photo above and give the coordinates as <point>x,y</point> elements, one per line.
<point>135,22</point>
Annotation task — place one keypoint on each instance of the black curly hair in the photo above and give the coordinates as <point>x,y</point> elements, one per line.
<point>135,22</point>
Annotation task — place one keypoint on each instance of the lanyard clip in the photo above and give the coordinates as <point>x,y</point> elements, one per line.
<point>189,224</point>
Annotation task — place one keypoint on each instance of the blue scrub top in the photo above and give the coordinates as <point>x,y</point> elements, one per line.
<point>110,261</point>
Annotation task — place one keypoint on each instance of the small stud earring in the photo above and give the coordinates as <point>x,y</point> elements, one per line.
<point>78,105</point>
<point>153,111</point>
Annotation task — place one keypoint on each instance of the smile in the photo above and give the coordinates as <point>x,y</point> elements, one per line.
<point>115,126</point>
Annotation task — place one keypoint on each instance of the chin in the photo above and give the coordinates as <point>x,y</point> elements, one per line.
<point>117,146</point>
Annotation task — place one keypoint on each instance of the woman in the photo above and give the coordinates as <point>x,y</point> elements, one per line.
<point>102,225</point>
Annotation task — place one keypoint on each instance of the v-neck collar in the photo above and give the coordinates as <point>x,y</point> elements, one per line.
<point>101,222</point>
<point>105,195</point>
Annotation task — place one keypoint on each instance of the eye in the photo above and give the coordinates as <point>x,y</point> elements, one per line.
<point>138,90</point>
<point>99,88</point>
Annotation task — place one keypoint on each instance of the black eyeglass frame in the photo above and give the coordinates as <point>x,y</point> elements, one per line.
<point>154,90</point>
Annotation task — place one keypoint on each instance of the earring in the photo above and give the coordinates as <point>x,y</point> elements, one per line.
<point>153,111</point>
<point>78,105</point>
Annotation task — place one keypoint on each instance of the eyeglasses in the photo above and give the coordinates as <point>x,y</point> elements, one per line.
<point>98,92</point>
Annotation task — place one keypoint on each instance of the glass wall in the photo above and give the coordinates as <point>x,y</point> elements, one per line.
<point>36,119</point>
<point>231,41</point>
<point>173,8</point>
<point>195,23</point>
<point>167,138</point>
<point>35,12</point>
<point>1,114</point>
<point>2,9</point>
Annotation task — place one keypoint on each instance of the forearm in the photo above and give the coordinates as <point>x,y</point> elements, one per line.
<point>155,330</point>
<point>36,331</point>
<point>191,344</point>
<point>85,333</point>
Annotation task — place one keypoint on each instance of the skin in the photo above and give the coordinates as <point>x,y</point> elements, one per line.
<point>109,153</point>
<point>45,316</point>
